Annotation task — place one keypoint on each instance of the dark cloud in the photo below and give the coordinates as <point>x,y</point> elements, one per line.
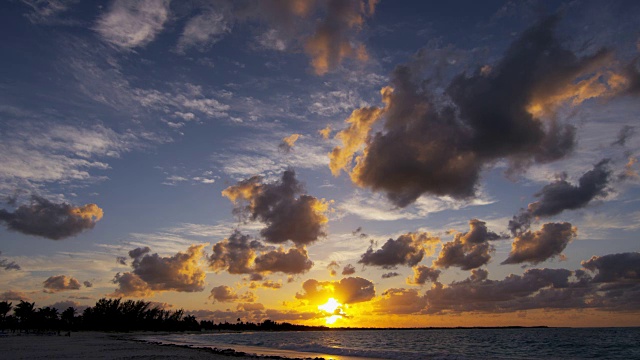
<point>292,261</point>
<point>65,304</point>
<point>614,288</point>
<point>349,290</point>
<point>87,284</point>
<point>626,132</point>
<point>468,250</point>
<point>14,295</point>
<point>423,274</point>
<point>239,254</point>
<point>122,260</point>
<point>562,195</point>
<point>224,293</point>
<point>408,249</point>
<point>333,268</point>
<point>348,270</point>
<point>390,275</point>
<point>153,273</point>
<point>287,213</point>
<point>614,267</point>
<point>235,254</point>
<point>50,220</point>
<point>440,147</point>
<point>61,283</point>
<point>538,246</point>
<point>8,265</point>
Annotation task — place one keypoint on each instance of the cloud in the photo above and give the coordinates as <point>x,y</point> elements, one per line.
<point>423,274</point>
<point>614,267</point>
<point>129,24</point>
<point>287,143</point>
<point>48,11</point>
<point>292,261</point>
<point>267,284</point>
<point>439,147</point>
<point>14,295</point>
<point>332,267</point>
<point>538,246</point>
<point>348,270</point>
<point>61,283</point>
<point>468,250</point>
<point>152,273</point>
<point>331,42</point>
<point>50,220</point>
<point>561,195</point>
<point>8,265</point>
<point>400,301</point>
<point>390,275</point>
<point>287,213</point>
<point>408,249</point>
<point>203,30</point>
<point>87,284</point>
<point>349,290</point>
<point>626,132</point>
<point>224,293</point>
<point>239,254</point>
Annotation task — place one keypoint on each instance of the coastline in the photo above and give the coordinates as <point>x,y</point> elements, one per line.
<point>102,345</point>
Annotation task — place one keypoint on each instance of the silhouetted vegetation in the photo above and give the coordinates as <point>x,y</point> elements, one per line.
<point>118,315</point>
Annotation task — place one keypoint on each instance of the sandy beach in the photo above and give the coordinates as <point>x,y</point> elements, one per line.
<point>99,345</point>
<point>95,345</point>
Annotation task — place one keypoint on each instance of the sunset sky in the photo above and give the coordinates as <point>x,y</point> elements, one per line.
<point>420,163</point>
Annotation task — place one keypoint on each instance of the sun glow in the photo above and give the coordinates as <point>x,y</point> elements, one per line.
<point>334,308</point>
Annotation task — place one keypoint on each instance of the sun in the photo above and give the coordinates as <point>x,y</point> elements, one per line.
<point>334,308</point>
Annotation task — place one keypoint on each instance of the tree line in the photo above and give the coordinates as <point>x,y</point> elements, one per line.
<point>118,315</point>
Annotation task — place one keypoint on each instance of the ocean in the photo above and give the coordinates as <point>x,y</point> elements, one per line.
<point>520,343</point>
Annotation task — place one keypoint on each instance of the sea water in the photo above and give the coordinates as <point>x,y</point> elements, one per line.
<point>522,343</point>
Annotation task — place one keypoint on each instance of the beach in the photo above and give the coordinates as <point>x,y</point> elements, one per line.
<point>96,345</point>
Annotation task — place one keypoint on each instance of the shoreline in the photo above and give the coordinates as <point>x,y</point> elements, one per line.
<point>104,345</point>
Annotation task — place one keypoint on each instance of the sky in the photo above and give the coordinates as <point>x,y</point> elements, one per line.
<point>350,163</point>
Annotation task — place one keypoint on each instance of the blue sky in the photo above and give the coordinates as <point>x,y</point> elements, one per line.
<point>151,109</point>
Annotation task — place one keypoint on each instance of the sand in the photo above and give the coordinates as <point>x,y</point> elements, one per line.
<point>95,345</point>
<point>98,345</point>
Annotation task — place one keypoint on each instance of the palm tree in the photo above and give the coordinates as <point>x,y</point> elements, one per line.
<point>25,313</point>
<point>5,307</point>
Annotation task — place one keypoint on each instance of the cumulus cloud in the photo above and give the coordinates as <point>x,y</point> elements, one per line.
<point>224,293</point>
<point>61,283</point>
<point>292,261</point>
<point>408,249</point>
<point>400,301</point>
<point>287,143</point>
<point>50,220</point>
<point>468,250</point>
<point>332,267</point>
<point>427,146</point>
<point>614,267</point>
<point>153,273</point>
<point>240,254</point>
<point>537,246</point>
<point>129,24</point>
<point>287,212</point>
<point>87,283</point>
<point>562,195</point>
<point>349,290</point>
<point>332,41</point>
<point>423,274</point>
